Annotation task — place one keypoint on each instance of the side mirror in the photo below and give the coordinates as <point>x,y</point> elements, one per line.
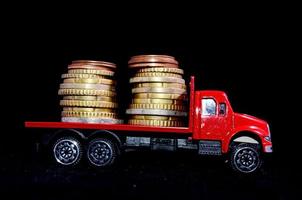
<point>222,109</point>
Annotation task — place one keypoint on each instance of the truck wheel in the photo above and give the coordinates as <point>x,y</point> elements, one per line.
<point>67,151</point>
<point>245,158</point>
<point>101,152</point>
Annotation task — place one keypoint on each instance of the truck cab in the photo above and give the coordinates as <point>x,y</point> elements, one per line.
<point>221,130</point>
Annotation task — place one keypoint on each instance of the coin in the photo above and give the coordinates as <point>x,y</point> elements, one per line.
<point>158,106</point>
<point>90,98</point>
<point>86,92</point>
<point>156,101</point>
<point>157,74</point>
<point>101,104</point>
<point>159,85</point>
<point>91,71</point>
<point>160,96</point>
<point>153,117</point>
<point>92,67</point>
<point>152,58</point>
<point>84,76</point>
<point>94,62</point>
<point>92,120</point>
<point>90,80</point>
<point>83,109</point>
<point>159,90</point>
<point>154,64</point>
<point>87,86</point>
<point>88,114</point>
<point>163,123</point>
<point>157,79</point>
<point>156,112</point>
<point>162,69</point>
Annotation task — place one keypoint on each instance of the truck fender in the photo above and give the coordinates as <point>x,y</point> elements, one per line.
<point>67,132</point>
<point>246,139</point>
<point>106,133</point>
<point>244,136</point>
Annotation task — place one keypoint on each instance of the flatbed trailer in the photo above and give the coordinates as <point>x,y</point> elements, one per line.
<point>213,129</point>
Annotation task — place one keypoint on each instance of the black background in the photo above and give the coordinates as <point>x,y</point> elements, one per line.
<point>245,58</point>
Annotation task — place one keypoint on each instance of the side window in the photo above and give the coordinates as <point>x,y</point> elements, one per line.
<point>208,107</point>
<point>222,109</point>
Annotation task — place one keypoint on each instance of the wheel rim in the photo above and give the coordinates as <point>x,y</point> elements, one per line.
<point>99,153</point>
<point>67,151</point>
<point>246,160</point>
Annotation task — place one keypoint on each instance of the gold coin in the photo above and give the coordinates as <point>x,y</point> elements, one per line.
<point>86,92</point>
<point>159,90</point>
<point>87,86</point>
<point>94,62</point>
<point>158,106</point>
<point>101,104</point>
<point>163,123</point>
<point>160,96</point>
<point>158,101</point>
<point>152,58</point>
<point>160,112</point>
<point>162,70</point>
<point>157,74</point>
<point>153,64</point>
<point>88,114</point>
<point>90,98</point>
<point>82,76</point>
<point>90,80</point>
<point>81,109</point>
<point>91,71</point>
<point>157,79</point>
<point>153,117</point>
<point>165,85</point>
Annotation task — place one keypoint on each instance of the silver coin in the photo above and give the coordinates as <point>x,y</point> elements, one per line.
<point>92,120</point>
<point>86,86</point>
<point>155,112</point>
<point>157,79</point>
<point>159,90</point>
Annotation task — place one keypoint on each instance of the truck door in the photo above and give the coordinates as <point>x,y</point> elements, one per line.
<point>215,122</point>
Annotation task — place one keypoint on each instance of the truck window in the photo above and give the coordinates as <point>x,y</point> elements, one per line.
<point>222,108</point>
<point>208,107</point>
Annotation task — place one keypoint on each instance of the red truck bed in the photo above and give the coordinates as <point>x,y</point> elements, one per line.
<point>123,127</point>
<point>120,127</point>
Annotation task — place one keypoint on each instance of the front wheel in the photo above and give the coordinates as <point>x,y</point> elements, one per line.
<point>245,158</point>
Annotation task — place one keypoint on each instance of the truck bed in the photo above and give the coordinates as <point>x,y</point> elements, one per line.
<point>123,127</point>
<point>116,127</point>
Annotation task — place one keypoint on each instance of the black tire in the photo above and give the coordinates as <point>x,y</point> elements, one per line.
<point>102,152</point>
<point>67,151</point>
<point>246,158</point>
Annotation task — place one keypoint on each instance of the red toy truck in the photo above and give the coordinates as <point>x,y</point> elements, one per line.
<point>213,129</point>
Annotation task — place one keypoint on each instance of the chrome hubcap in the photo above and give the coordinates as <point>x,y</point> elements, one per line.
<point>67,151</point>
<point>99,153</point>
<point>246,160</point>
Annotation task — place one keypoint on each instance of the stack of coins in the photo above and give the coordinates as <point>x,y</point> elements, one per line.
<point>159,91</point>
<point>88,92</point>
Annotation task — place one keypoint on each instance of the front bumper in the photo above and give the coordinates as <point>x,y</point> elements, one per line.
<point>268,148</point>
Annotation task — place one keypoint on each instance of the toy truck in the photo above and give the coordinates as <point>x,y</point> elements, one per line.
<point>213,129</point>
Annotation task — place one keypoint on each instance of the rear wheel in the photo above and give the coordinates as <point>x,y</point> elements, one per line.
<point>102,152</point>
<point>245,158</point>
<point>67,151</point>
